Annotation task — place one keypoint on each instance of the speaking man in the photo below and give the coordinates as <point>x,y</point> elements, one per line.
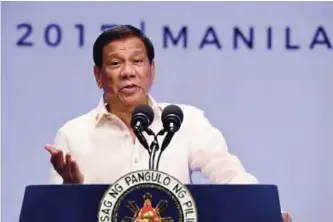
<point>100,146</point>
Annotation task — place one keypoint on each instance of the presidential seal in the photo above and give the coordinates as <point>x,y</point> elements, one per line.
<point>147,196</point>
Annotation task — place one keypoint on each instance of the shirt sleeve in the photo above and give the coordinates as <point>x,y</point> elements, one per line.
<point>60,142</point>
<point>209,154</point>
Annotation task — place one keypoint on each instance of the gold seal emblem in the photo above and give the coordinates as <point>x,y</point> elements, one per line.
<point>147,196</point>
<point>147,213</point>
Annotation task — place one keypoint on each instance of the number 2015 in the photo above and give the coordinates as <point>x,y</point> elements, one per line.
<point>52,34</point>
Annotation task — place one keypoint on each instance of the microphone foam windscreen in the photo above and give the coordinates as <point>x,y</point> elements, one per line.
<point>172,110</point>
<point>141,111</point>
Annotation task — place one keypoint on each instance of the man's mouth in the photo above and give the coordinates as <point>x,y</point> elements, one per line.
<point>129,86</point>
<point>129,89</point>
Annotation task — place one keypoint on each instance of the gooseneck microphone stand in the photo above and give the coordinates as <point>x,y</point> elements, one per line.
<point>153,148</point>
<point>165,143</point>
<point>172,117</point>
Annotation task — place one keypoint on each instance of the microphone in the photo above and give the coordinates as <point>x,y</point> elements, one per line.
<point>142,117</point>
<point>172,118</point>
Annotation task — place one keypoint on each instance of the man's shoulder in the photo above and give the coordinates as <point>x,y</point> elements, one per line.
<point>187,109</point>
<point>193,116</point>
<point>87,120</point>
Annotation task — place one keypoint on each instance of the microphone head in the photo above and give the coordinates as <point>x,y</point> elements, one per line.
<point>172,118</point>
<point>142,114</point>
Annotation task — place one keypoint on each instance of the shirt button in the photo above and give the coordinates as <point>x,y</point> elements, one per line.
<point>136,160</point>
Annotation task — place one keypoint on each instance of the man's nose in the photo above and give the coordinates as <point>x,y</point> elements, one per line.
<point>127,71</point>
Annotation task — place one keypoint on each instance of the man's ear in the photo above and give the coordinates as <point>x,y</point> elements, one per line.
<point>152,70</point>
<point>98,76</point>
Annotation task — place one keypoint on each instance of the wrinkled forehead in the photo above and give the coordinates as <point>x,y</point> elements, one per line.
<point>130,45</point>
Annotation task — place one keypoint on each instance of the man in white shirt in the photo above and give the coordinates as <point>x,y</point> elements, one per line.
<point>100,146</point>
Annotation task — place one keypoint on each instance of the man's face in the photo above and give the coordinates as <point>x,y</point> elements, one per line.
<point>126,74</point>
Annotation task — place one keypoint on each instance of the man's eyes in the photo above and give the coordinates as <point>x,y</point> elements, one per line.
<point>115,63</point>
<point>118,62</point>
<point>138,61</point>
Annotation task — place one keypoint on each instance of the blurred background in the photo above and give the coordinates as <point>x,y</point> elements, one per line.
<point>263,73</point>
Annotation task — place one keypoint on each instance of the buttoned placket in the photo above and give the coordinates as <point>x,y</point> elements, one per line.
<point>135,162</point>
<point>134,146</point>
<point>129,144</point>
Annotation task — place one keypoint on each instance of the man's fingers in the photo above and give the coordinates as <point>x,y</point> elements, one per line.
<point>60,160</point>
<point>74,168</point>
<point>64,165</point>
<point>75,172</point>
<point>54,159</point>
<point>68,166</point>
<point>57,161</point>
<point>51,149</point>
<point>56,156</point>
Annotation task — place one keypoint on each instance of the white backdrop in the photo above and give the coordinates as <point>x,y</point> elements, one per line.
<point>272,97</point>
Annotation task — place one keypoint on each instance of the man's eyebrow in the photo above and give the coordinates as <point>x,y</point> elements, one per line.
<point>136,51</point>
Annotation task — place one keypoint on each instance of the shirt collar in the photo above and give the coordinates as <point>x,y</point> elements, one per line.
<point>101,110</point>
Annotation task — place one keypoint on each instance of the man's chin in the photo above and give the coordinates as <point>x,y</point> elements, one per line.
<point>134,100</point>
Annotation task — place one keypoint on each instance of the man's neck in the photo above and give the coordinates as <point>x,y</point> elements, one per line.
<point>123,112</point>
